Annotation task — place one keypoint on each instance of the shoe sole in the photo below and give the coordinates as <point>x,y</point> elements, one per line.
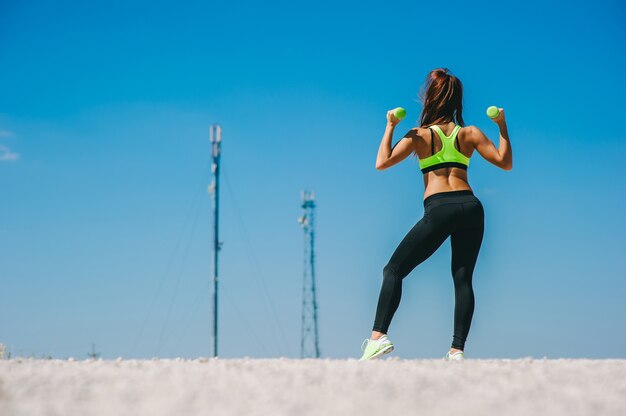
<point>384,351</point>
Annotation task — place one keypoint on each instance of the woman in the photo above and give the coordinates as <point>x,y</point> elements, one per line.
<point>443,145</point>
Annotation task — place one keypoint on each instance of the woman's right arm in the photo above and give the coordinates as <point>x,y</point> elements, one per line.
<point>502,157</point>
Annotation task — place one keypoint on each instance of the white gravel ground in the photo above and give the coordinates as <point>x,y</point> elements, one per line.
<point>313,387</point>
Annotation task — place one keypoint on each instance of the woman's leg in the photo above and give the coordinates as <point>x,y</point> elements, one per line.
<point>466,243</point>
<point>419,244</point>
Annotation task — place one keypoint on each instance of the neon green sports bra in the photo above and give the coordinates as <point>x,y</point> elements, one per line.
<point>448,156</point>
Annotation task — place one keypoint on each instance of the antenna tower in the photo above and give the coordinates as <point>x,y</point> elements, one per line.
<point>216,145</point>
<point>309,346</point>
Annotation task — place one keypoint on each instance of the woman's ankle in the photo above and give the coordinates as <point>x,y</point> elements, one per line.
<point>376,335</point>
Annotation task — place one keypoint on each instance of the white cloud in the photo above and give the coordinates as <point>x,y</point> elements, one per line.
<point>6,133</point>
<point>7,155</point>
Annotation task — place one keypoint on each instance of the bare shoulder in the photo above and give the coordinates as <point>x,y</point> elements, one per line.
<point>419,132</point>
<point>413,134</point>
<point>469,134</point>
<point>418,136</point>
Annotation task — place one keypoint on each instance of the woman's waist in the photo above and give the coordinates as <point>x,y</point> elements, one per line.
<point>439,196</point>
<point>445,185</point>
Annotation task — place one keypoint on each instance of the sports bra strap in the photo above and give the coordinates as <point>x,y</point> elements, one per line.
<point>455,134</point>
<point>441,134</point>
<point>432,142</point>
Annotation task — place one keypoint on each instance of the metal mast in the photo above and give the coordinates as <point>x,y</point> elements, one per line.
<point>216,141</point>
<point>309,346</point>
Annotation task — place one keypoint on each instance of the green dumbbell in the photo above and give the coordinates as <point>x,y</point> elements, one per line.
<point>493,111</point>
<point>399,113</point>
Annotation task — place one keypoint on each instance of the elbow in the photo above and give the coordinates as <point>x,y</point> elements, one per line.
<point>381,166</point>
<point>504,163</point>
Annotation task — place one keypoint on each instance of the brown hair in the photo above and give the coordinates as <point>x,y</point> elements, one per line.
<point>442,98</point>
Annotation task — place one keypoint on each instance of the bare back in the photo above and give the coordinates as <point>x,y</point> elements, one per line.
<point>443,179</point>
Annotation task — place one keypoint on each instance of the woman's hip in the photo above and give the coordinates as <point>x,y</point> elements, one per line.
<point>454,209</point>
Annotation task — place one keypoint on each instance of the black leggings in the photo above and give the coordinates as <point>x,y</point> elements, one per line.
<point>458,214</point>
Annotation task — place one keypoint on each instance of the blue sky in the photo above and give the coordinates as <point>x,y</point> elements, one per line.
<point>104,162</point>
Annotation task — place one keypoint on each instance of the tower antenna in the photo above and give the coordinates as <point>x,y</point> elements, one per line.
<point>216,144</point>
<point>309,346</point>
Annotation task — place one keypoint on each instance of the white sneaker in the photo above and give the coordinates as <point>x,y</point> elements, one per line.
<point>455,356</point>
<point>373,349</point>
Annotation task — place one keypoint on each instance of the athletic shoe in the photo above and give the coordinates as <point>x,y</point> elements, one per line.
<point>455,356</point>
<point>375,348</point>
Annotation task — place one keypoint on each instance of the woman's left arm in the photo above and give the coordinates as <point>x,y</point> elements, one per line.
<point>388,156</point>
